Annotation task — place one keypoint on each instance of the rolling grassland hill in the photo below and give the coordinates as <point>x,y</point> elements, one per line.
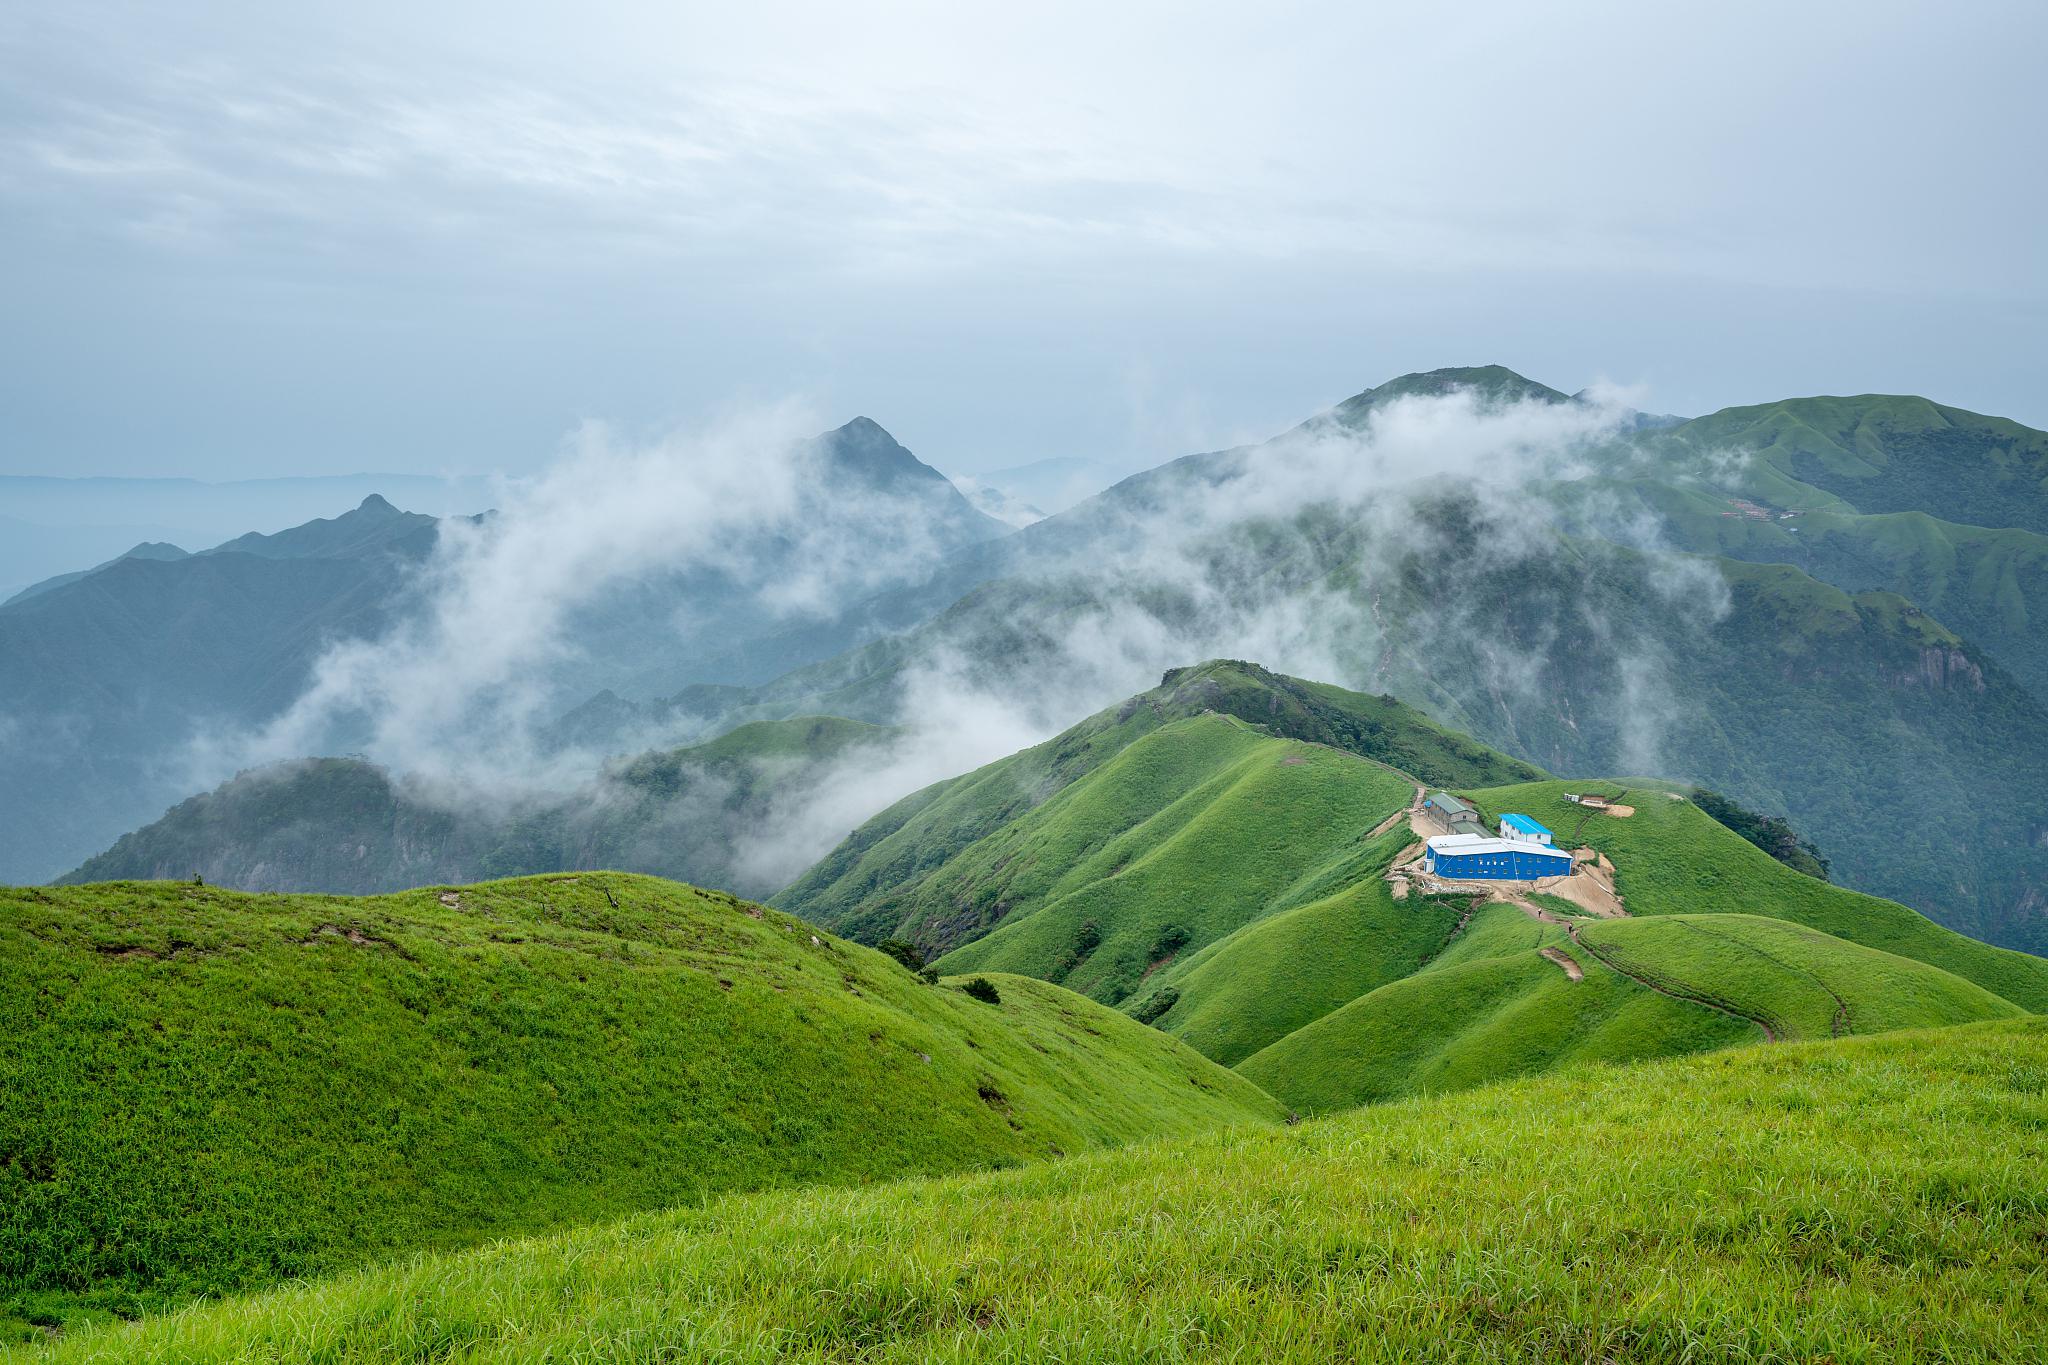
<point>1878,453</point>
<point>944,864</point>
<point>1939,505</point>
<point>1673,859</point>
<point>1870,1199</point>
<point>202,1090</point>
<point>1232,887</point>
<point>344,826</point>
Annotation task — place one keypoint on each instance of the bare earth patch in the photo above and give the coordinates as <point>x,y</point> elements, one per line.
<point>1410,814</point>
<point>1590,887</point>
<point>1565,960</point>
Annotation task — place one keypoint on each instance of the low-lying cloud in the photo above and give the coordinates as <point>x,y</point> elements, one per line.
<point>1300,554</point>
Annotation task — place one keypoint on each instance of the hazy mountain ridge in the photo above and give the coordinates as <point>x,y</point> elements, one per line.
<point>106,681</point>
<point>1572,652</point>
<point>343,826</point>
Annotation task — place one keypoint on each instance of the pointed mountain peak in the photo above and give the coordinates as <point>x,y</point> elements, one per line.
<point>1493,384</point>
<point>863,455</point>
<point>867,429</point>
<point>376,505</point>
<point>864,448</point>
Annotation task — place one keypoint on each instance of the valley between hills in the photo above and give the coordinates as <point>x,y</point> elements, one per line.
<point>1175,938</point>
<point>1172,1034</point>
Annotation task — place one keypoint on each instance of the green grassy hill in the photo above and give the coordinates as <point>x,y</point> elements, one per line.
<point>1724,944</point>
<point>1797,982</point>
<point>1879,453</point>
<point>920,870</point>
<point>1868,1200</point>
<point>345,826</point>
<point>1987,583</point>
<point>1228,886</point>
<point>1191,832</point>
<point>1674,859</point>
<point>205,1089</point>
<point>1321,945</point>
<point>1490,1018</point>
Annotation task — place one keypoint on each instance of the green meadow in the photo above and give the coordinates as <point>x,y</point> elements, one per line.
<point>1870,1200</point>
<point>206,1089</point>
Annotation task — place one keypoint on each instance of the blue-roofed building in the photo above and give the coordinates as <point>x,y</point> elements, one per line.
<point>1474,857</point>
<point>1521,829</point>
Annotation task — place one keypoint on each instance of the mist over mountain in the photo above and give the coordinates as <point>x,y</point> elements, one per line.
<point>346,826</point>
<point>1452,538</point>
<point>383,631</point>
<point>1499,553</point>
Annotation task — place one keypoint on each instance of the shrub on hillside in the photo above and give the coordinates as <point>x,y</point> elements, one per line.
<point>904,952</point>
<point>981,988</point>
<point>1171,940</point>
<point>1767,832</point>
<point>1087,939</point>
<point>1160,1003</point>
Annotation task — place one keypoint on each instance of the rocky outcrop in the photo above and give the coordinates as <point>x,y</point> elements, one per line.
<point>1941,667</point>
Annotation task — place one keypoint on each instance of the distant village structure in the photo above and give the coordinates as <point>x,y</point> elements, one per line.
<point>1453,815</point>
<point>1523,851</point>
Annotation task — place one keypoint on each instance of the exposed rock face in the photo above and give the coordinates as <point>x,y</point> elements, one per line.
<point>1939,667</point>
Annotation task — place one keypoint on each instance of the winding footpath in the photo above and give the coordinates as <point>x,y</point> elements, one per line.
<point>1690,997</point>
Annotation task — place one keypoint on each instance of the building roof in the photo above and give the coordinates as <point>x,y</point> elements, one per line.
<point>1446,802</point>
<point>1464,845</point>
<point>1524,824</point>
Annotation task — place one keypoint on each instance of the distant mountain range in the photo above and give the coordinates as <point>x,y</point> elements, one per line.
<point>1823,607</point>
<point>109,678</point>
<point>347,826</point>
<point>54,526</point>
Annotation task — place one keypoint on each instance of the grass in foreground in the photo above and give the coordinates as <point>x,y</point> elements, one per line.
<point>202,1090</point>
<point>1879,1199</point>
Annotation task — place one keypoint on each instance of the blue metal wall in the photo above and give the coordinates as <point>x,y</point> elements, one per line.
<point>1512,867</point>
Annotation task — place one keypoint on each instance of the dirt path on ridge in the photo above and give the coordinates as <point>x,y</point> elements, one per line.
<point>1413,809</point>
<point>1691,998</point>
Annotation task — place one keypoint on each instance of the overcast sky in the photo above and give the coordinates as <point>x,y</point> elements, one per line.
<point>255,239</point>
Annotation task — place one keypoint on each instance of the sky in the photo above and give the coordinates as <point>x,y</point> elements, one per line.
<point>252,240</point>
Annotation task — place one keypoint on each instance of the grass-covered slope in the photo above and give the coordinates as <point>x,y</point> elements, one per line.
<point>1228,886</point>
<point>1987,583</point>
<point>1797,982</point>
<point>345,826</point>
<point>1318,946</point>
<point>1674,859</point>
<point>1724,945</point>
<point>1868,1200</point>
<point>902,872</point>
<point>201,1089</point>
<point>1881,453</point>
<point>1478,1021</point>
<point>1190,833</point>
